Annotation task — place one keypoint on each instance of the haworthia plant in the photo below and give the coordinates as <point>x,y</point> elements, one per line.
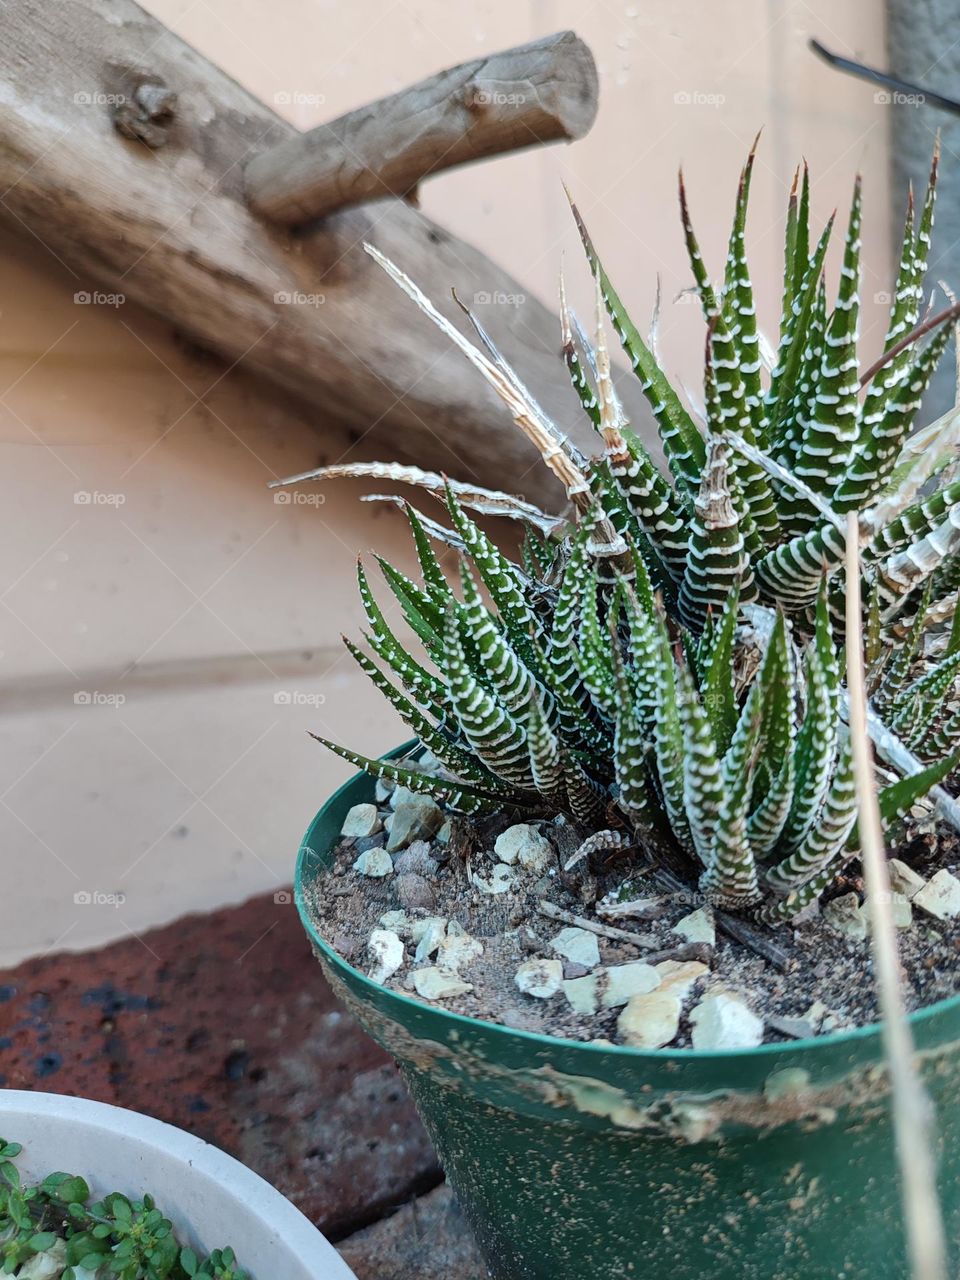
<point>667,663</point>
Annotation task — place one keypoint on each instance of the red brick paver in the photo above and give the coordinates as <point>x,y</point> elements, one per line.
<point>223,1024</point>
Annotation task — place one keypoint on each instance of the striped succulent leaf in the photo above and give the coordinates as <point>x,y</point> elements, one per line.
<point>665,663</point>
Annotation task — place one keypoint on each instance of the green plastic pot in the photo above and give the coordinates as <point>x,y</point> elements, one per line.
<point>574,1160</point>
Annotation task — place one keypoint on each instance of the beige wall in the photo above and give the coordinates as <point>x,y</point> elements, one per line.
<point>182,586</point>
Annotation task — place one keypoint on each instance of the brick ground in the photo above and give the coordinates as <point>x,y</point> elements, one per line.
<point>425,1240</point>
<point>222,1024</point>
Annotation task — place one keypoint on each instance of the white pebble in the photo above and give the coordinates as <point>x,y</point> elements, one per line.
<point>724,1022</point>
<point>46,1265</point>
<point>679,976</point>
<point>439,984</point>
<point>940,896</point>
<point>577,945</point>
<point>816,1014</point>
<point>399,921</point>
<point>456,950</point>
<point>376,863</point>
<point>623,981</point>
<point>581,994</point>
<point>362,820</point>
<point>522,843</point>
<point>386,952</point>
<point>786,1083</point>
<point>904,879</point>
<point>540,978</point>
<point>501,880</point>
<point>900,910</point>
<point>424,925</point>
<point>650,1020</point>
<point>428,934</point>
<point>698,926</point>
<point>844,915</point>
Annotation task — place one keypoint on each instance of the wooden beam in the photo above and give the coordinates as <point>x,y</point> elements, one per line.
<point>168,226</point>
<point>545,91</point>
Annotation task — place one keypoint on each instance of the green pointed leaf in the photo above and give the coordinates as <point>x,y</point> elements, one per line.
<point>717,561</point>
<point>829,438</point>
<point>669,742</point>
<point>433,577</point>
<point>495,734</point>
<point>682,441</point>
<point>817,739</point>
<point>806,872</point>
<point>460,797</point>
<point>783,379</point>
<point>453,757</point>
<point>546,756</point>
<point>717,686</point>
<point>730,879</point>
<point>898,798</point>
<point>423,614</point>
<point>702,781</point>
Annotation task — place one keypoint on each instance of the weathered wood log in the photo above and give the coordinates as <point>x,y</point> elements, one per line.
<point>545,91</point>
<point>170,228</point>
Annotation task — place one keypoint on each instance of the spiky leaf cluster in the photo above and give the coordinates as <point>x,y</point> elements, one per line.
<point>666,661</point>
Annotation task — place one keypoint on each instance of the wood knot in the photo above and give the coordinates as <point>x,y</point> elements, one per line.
<point>146,115</point>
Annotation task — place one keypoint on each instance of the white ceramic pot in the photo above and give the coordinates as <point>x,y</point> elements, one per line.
<point>212,1199</point>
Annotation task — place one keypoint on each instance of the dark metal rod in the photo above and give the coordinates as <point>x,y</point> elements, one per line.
<point>882,78</point>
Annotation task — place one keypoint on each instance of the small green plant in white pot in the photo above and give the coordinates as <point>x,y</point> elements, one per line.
<point>94,1192</point>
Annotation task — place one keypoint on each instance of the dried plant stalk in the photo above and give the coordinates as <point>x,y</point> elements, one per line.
<point>912,1111</point>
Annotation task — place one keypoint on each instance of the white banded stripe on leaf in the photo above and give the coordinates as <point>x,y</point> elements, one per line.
<point>461,797</point>
<point>739,304</point>
<point>668,740</point>
<point>716,559</point>
<point>546,758</point>
<point>730,879</point>
<point>817,738</point>
<point>884,427</point>
<point>814,863</point>
<point>511,681</point>
<point>702,782</point>
<point>790,575</point>
<point>460,762</point>
<point>497,737</point>
<point>829,438</point>
<point>427,689</point>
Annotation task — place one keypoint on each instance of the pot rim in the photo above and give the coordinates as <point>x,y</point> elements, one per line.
<point>535,1039</point>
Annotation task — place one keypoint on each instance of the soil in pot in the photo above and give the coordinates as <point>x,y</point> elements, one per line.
<point>479,917</point>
